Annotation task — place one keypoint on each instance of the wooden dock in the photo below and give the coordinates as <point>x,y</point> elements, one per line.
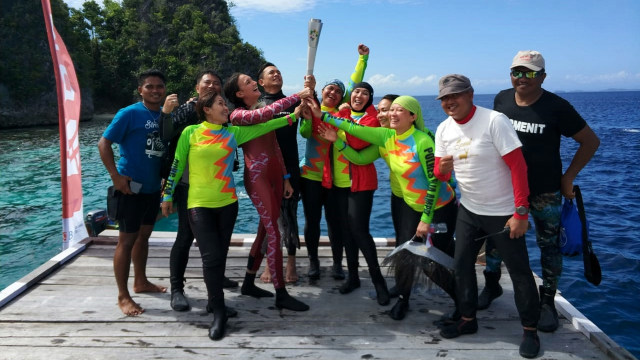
<point>70,312</point>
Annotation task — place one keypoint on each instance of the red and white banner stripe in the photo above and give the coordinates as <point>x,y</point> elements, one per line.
<point>73,228</point>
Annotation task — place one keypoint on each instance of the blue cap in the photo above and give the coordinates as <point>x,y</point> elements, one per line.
<point>336,82</point>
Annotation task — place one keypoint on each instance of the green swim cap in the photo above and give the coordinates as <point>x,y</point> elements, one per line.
<point>410,103</point>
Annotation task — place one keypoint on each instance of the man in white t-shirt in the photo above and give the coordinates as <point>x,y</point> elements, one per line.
<point>483,149</point>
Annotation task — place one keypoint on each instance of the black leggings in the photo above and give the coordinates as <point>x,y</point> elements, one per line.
<point>335,211</point>
<point>359,215</point>
<point>213,227</point>
<point>294,180</point>
<point>396,213</point>
<point>314,197</point>
<point>184,238</point>
<point>514,252</point>
<point>409,220</point>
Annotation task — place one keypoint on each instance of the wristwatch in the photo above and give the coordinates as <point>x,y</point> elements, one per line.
<point>522,210</point>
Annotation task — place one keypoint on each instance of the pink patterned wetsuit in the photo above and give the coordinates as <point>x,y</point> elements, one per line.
<point>264,172</point>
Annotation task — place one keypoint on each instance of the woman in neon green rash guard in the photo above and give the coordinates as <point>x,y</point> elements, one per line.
<point>410,150</point>
<point>212,203</point>
<point>325,178</point>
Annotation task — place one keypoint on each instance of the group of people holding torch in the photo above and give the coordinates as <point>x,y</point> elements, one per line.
<point>474,149</point>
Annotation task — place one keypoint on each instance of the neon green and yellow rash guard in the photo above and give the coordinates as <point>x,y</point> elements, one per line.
<point>367,156</point>
<point>312,165</point>
<point>410,158</point>
<point>210,150</point>
<point>393,180</point>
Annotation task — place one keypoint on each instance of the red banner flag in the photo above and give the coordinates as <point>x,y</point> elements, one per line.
<point>73,228</point>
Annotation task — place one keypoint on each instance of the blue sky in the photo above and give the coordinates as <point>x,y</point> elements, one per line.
<point>588,45</point>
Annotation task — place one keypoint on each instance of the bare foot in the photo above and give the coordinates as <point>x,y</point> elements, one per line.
<point>291,276</point>
<point>129,307</point>
<point>148,287</point>
<point>266,275</point>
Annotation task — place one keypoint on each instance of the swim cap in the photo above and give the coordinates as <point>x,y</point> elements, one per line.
<point>337,83</point>
<point>410,103</point>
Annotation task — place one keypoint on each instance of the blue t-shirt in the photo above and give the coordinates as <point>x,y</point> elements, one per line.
<point>136,130</point>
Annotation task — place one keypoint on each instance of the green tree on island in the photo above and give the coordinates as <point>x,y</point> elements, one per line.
<point>110,44</point>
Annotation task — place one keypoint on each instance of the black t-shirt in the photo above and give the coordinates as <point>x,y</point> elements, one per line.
<point>539,127</point>
<point>287,140</point>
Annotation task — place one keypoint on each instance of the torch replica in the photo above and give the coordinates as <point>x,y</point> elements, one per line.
<point>315,27</point>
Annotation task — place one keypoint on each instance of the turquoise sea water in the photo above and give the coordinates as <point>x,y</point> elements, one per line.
<point>30,205</point>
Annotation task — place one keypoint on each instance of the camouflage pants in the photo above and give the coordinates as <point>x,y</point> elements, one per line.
<point>545,210</point>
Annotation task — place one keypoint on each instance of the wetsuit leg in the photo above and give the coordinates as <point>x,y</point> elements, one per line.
<point>468,228</point>
<point>439,274</point>
<point>516,259</point>
<point>396,204</point>
<point>257,251</point>
<point>514,251</point>
<point>546,210</point>
<point>184,239</point>
<point>336,213</point>
<point>312,201</point>
<point>408,223</point>
<point>266,194</point>
<point>213,227</point>
<point>292,246</point>
<point>359,215</point>
<point>448,215</point>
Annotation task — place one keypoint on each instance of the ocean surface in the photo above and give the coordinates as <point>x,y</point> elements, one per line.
<point>31,227</point>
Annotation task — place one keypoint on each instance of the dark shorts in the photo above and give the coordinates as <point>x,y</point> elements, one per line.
<point>136,210</point>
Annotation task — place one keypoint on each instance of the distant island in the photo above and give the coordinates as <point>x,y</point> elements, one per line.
<point>605,90</point>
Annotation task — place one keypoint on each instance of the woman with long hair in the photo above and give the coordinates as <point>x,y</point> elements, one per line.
<point>267,181</point>
<point>209,148</point>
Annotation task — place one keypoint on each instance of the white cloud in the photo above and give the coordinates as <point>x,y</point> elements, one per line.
<point>391,81</point>
<point>417,81</point>
<point>272,6</point>
<point>379,80</point>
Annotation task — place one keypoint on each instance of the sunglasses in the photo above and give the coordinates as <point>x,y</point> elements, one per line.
<point>528,74</point>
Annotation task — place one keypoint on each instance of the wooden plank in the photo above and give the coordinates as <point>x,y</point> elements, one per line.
<point>18,287</point>
<point>262,327</point>
<point>399,340</point>
<point>42,323</point>
<point>143,353</point>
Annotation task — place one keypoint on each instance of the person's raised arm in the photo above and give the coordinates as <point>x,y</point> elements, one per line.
<point>175,119</point>
<point>358,73</point>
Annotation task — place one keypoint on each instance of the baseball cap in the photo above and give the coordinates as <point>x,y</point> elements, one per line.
<point>530,59</point>
<point>453,84</point>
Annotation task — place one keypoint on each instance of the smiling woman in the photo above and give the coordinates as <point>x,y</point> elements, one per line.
<point>209,148</point>
<point>267,182</point>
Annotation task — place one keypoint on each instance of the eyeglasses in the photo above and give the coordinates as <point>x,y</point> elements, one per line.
<point>528,74</point>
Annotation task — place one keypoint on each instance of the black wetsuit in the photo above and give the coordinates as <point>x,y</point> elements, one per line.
<point>288,142</point>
